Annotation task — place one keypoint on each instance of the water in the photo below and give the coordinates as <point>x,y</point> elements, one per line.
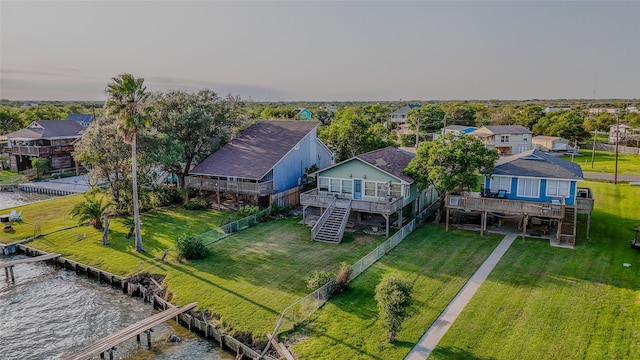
<point>11,199</point>
<point>48,313</point>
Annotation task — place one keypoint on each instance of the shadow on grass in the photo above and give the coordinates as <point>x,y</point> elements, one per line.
<point>456,353</point>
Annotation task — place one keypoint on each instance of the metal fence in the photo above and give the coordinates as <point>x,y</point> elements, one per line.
<point>303,308</point>
<point>244,223</point>
<point>53,225</point>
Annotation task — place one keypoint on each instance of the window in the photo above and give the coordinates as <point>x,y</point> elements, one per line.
<point>529,187</point>
<point>523,148</point>
<point>559,188</point>
<point>525,137</point>
<point>396,190</point>
<point>369,188</point>
<point>504,138</point>
<point>498,183</point>
<point>323,184</point>
<point>335,185</point>
<point>346,186</point>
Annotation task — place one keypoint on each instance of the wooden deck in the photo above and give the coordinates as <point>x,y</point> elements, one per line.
<point>127,333</point>
<point>29,260</point>
<point>505,206</point>
<point>312,198</point>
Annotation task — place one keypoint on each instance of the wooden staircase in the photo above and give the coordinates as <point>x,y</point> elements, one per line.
<point>568,229</point>
<point>330,227</point>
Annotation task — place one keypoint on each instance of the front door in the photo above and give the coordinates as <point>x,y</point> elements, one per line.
<point>357,189</point>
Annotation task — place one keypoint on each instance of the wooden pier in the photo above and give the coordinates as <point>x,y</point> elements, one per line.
<point>109,343</point>
<point>8,266</point>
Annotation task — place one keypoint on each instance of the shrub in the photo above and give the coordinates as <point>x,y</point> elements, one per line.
<point>168,195</point>
<point>191,247</point>
<point>394,298</point>
<point>280,210</point>
<point>342,279</point>
<point>248,210</point>
<point>410,139</point>
<point>318,278</point>
<point>197,204</point>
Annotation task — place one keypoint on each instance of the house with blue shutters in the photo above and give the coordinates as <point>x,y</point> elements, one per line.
<point>539,187</point>
<point>265,163</point>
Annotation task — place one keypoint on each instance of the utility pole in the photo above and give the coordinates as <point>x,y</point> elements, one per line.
<point>615,175</point>
<point>593,149</point>
<point>417,129</point>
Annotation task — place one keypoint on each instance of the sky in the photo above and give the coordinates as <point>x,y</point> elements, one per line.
<point>323,50</point>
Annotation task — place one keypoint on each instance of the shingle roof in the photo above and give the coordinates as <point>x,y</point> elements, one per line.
<point>535,163</point>
<point>546,138</point>
<point>256,150</point>
<point>84,118</point>
<point>390,160</point>
<point>48,129</point>
<point>405,109</point>
<point>504,129</point>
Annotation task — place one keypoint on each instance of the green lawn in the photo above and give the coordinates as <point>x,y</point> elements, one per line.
<point>436,262</point>
<point>9,177</point>
<point>604,162</point>
<point>548,303</point>
<point>248,280</point>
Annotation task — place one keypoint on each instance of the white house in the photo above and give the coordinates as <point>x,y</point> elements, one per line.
<point>551,143</point>
<point>505,139</point>
<point>618,132</point>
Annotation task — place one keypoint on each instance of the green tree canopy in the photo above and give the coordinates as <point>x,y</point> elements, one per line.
<point>566,124</point>
<point>431,118</point>
<point>90,211</point>
<point>451,162</point>
<point>47,112</point>
<point>528,115</point>
<point>394,299</point>
<point>189,127</point>
<point>10,120</point>
<point>601,122</point>
<point>461,114</point>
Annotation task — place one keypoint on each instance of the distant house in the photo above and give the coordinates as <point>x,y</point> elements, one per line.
<point>552,109</point>
<point>618,132</point>
<point>82,119</point>
<point>265,163</point>
<point>551,143</point>
<point>539,187</point>
<point>304,114</point>
<point>613,111</point>
<point>505,139</point>
<point>400,116</point>
<point>362,188</point>
<point>51,139</point>
<point>456,130</point>
<point>632,109</point>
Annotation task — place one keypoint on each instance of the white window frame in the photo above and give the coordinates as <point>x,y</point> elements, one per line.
<point>503,138</point>
<point>556,185</point>
<point>500,184</point>
<point>523,148</point>
<point>521,188</point>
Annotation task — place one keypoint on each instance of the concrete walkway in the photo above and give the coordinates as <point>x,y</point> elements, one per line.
<point>432,337</point>
<point>607,176</point>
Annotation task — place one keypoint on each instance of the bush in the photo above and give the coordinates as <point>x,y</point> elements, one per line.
<point>168,195</point>
<point>394,298</point>
<point>280,210</point>
<point>342,279</point>
<point>191,247</point>
<point>319,278</point>
<point>410,139</point>
<point>248,210</point>
<point>197,204</point>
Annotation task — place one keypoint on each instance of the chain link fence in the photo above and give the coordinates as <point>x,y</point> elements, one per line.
<point>54,225</point>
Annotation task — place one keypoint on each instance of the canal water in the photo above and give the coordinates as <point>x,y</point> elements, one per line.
<point>49,312</point>
<point>10,199</point>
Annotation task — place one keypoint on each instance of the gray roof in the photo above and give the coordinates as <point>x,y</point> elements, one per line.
<point>535,163</point>
<point>390,160</point>
<point>547,138</point>
<point>83,118</point>
<point>48,129</point>
<point>255,151</point>
<point>404,110</point>
<point>504,129</point>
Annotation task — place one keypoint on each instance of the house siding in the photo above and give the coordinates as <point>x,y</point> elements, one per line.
<point>513,194</point>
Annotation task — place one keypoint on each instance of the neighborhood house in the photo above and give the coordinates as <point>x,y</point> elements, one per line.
<point>505,139</point>
<point>367,189</point>
<point>264,164</point>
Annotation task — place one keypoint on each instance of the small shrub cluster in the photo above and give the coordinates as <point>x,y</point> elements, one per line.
<point>280,210</point>
<point>197,204</point>
<point>168,195</point>
<point>248,210</point>
<point>318,278</point>
<point>342,279</point>
<point>394,299</point>
<point>191,247</point>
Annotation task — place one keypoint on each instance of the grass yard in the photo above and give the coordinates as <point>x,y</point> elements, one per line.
<point>9,177</point>
<point>548,303</point>
<point>436,262</point>
<point>248,280</point>
<point>604,162</point>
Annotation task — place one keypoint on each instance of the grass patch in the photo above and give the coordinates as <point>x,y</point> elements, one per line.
<point>9,177</point>
<point>436,262</point>
<point>548,303</point>
<point>604,162</point>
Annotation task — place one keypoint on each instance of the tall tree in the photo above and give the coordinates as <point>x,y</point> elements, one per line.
<point>431,118</point>
<point>393,296</point>
<point>566,124</point>
<point>47,112</point>
<point>461,114</point>
<point>451,162</point>
<point>178,115</point>
<point>126,95</point>
<point>528,116</point>
<point>10,120</point>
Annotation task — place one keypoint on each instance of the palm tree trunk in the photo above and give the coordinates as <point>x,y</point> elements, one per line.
<point>134,178</point>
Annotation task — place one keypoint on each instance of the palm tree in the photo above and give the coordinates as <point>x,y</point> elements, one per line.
<point>125,101</point>
<point>90,211</point>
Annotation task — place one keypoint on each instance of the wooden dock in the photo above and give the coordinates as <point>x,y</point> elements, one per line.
<point>8,266</point>
<point>109,343</point>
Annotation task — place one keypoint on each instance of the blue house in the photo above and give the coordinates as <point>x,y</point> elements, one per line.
<point>265,163</point>
<point>541,188</point>
<point>82,119</point>
<point>304,114</point>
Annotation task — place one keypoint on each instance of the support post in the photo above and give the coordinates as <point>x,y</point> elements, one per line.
<point>483,222</point>
<point>138,338</point>
<point>446,222</point>
<point>13,279</point>
<point>386,217</point>
<point>6,273</point>
<point>399,219</point>
<point>525,220</point>
<point>149,338</point>
<point>101,355</point>
<point>589,223</point>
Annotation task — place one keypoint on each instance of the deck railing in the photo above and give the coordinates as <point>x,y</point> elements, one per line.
<point>506,206</point>
<point>584,201</point>
<point>384,206</point>
<point>238,187</point>
<point>30,150</point>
